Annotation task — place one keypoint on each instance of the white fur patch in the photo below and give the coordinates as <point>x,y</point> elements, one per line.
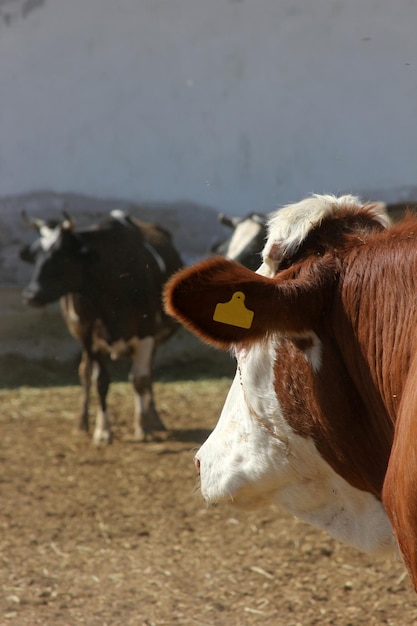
<point>290,225</point>
<point>142,355</point>
<point>254,458</point>
<point>242,236</point>
<point>48,236</point>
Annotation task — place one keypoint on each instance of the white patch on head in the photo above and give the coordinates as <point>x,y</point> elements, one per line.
<point>48,236</point>
<point>253,458</point>
<point>244,233</point>
<point>290,225</point>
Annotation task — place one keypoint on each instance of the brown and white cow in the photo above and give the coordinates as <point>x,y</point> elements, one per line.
<point>321,417</point>
<point>109,280</point>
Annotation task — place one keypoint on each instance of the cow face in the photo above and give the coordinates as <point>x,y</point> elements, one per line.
<point>48,232</point>
<point>263,449</point>
<point>246,243</point>
<point>58,256</point>
<point>241,461</point>
<point>254,458</point>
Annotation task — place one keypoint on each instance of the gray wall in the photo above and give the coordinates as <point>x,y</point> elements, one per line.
<point>193,106</point>
<point>234,104</point>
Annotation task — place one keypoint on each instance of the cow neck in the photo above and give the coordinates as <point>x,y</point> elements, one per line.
<point>322,405</point>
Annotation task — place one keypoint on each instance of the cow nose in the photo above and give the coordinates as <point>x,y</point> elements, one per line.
<point>197,464</point>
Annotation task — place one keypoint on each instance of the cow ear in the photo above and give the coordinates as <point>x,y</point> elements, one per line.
<point>218,300</point>
<point>224,303</point>
<point>399,494</point>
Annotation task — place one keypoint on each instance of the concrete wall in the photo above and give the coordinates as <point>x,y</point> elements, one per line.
<point>233,104</point>
<point>201,105</point>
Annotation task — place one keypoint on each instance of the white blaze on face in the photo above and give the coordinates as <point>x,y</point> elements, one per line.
<point>48,236</point>
<point>243,234</point>
<point>241,459</point>
<point>253,458</point>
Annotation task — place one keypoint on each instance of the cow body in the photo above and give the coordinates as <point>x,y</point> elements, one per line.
<point>108,279</point>
<point>321,417</point>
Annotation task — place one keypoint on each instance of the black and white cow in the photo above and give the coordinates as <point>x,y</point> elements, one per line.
<point>109,280</point>
<point>247,240</point>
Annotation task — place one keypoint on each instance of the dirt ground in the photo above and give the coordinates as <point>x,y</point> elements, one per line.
<point>120,536</point>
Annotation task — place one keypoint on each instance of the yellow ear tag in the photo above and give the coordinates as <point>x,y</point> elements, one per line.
<point>234,312</point>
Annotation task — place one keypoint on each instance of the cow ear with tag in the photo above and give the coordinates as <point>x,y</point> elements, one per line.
<point>225,304</point>
<point>220,301</point>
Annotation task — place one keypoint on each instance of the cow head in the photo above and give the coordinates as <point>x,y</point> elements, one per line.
<point>247,240</point>
<point>271,444</point>
<point>46,230</point>
<point>58,256</point>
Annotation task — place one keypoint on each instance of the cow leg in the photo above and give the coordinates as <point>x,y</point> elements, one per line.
<point>146,419</point>
<point>102,431</point>
<point>84,372</point>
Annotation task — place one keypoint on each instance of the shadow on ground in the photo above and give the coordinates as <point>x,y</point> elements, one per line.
<point>17,371</point>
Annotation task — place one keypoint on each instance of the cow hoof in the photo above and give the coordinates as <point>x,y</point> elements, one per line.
<point>102,438</point>
<point>81,432</point>
<point>158,425</point>
<point>154,422</point>
<point>139,435</point>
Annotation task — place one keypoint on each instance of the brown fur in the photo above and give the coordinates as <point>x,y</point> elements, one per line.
<point>355,286</point>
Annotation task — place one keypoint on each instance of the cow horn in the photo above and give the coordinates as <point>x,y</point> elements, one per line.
<point>259,218</point>
<point>230,222</point>
<point>68,224</point>
<point>33,222</point>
